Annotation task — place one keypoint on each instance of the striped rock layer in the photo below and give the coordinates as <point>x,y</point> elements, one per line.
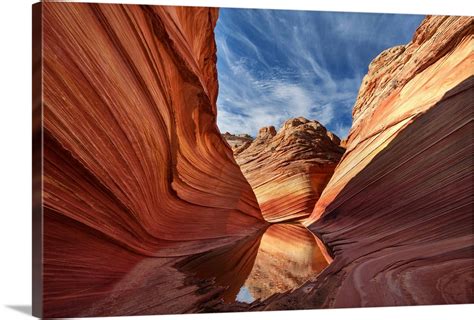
<point>289,169</point>
<point>397,213</point>
<point>237,142</point>
<point>135,169</point>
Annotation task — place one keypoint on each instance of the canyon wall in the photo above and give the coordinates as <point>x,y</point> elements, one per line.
<point>397,213</point>
<point>135,167</point>
<point>289,169</point>
<point>137,176</point>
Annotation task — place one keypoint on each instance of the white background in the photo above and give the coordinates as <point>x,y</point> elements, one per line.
<point>15,159</point>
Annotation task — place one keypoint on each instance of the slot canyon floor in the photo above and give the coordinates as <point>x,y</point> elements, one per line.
<point>279,258</point>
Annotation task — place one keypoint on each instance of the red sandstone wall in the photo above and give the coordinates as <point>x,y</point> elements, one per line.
<point>134,164</point>
<point>397,212</point>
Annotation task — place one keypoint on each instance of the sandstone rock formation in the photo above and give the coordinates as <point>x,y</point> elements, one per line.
<point>135,169</point>
<point>289,169</point>
<point>238,141</point>
<point>406,178</point>
<point>137,176</point>
<point>397,213</point>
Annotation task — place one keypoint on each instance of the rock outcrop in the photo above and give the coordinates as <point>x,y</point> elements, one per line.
<point>289,169</point>
<point>135,168</point>
<point>238,142</point>
<point>399,207</point>
<point>137,176</point>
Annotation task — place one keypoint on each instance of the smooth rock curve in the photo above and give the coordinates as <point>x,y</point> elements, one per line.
<point>136,172</point>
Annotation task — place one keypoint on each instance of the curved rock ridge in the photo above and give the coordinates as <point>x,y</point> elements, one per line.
<point>397,213</point>
<point>397,71</point>
<point>135,167</point>
<point>289,169</point>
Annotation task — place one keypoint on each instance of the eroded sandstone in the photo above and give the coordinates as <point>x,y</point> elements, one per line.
<point>397,213</point>
<point>136,172</point>
<point>237,141</point>
<point>289,169</point>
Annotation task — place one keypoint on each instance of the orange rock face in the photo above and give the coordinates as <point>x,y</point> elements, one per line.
<point>135,168</point>
<point>289,169</point>
<point>137,177</point>
<point>397,213</point>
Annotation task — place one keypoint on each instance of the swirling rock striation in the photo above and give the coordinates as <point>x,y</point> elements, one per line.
<point>289,169</point>
<point>397,213</point>
<point>403,83</point>
<point>135,169</point>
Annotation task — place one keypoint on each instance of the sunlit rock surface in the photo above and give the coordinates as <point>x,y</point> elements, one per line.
<point>135,167</point>
<point>137,177</point>
<point>289,169</point>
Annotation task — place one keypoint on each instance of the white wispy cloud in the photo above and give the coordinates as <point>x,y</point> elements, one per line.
<point>274,65</point>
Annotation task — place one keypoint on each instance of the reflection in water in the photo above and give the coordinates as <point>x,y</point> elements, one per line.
<point>280,258</point>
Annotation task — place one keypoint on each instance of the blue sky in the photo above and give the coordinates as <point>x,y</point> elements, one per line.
<point>278,64</point>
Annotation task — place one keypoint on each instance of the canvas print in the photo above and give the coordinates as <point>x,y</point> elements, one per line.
<point>193,159</point>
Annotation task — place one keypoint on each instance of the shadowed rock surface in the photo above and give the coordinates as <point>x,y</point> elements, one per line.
<point>397,212</point>
<point>289,169</point>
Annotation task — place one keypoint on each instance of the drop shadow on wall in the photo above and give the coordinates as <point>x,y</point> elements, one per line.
<point>22,308</point>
